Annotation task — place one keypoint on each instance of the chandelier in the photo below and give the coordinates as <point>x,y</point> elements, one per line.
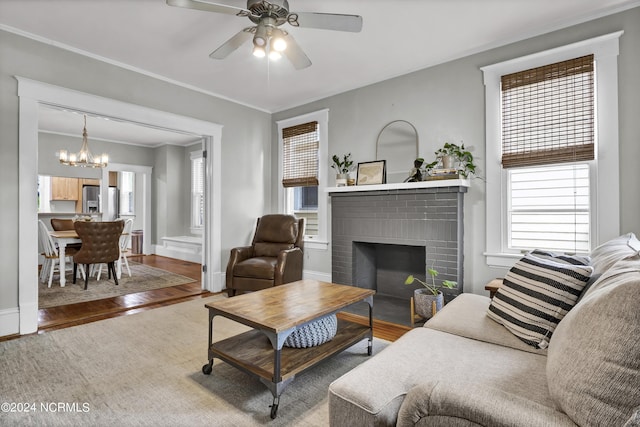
<point>83,158</point>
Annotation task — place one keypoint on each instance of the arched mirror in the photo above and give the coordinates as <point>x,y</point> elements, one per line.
<point>398,145</point>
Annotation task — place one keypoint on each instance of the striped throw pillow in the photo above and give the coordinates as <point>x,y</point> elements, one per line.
<point>563,258</point>
<point>535,295</point>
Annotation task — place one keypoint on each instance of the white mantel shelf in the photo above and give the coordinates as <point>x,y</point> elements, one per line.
<point>400,186</point>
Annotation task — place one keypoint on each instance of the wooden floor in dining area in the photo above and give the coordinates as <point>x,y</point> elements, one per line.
<point>91,311</point>
<point>77,314</point>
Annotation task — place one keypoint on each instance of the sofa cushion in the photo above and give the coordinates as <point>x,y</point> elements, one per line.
<point>593,365</point>
<point>615,274</point>
<point>607,254</point>
<point>535,295</point>
<point>466,316</point>
<point>452,403</point>
<point>372,392</point>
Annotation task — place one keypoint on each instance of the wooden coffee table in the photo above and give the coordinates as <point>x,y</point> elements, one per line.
<point>277,312</point>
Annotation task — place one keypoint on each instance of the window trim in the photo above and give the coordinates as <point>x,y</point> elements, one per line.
<point>322,117</point>
<point>607,202</point>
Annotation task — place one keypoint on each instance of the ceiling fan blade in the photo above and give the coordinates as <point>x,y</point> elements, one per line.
<point>295,54</point>
<point>232,44</point>
<point>209,7</point>
<point>326,21</point>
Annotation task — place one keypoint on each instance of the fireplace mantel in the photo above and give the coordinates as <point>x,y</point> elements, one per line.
<point>400,186</point>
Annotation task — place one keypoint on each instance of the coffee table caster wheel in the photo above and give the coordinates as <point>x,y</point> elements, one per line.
<point>274,408</point>
<point>206,369</point>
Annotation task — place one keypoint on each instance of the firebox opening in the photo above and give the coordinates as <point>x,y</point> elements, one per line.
<point>384,268</point>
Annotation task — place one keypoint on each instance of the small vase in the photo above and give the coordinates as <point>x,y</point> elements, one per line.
<point>341,180</point>
<point>447,162</point>
<point>423,299</point>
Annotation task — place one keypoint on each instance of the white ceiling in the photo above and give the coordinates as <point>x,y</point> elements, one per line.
<point>398,37</point>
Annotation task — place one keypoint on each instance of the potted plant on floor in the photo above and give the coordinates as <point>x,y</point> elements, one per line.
<point>424,297</point>
<point>342,167</point>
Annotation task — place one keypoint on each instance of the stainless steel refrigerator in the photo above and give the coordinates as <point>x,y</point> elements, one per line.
<point>112,212</point>
<point>90,199</point>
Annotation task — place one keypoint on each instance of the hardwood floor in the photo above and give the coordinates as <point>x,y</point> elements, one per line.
<point>90,311</point>
<point>77,314</point>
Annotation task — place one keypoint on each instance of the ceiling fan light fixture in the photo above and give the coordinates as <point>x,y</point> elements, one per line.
<point>277,40</point>
<point>259,52</point>
<point>274,55</point>
<point>262,35</point>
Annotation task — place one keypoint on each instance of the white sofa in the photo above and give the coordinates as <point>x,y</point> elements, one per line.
<point>464,369</point>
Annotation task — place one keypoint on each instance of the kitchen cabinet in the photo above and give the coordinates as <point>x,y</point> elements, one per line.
<point>64,188</point>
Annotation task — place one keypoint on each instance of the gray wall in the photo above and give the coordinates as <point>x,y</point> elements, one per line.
<point>446,103</point>
<point>246,137</point>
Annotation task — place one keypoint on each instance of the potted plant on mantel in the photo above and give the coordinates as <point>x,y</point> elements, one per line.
<point>424,297</point>
<point>342,167</point>
<point>451,153</point>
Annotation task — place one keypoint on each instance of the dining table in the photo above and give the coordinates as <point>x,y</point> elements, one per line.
<point>65,237</point>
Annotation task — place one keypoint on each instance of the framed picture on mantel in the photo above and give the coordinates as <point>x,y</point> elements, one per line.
<point>372,173</point>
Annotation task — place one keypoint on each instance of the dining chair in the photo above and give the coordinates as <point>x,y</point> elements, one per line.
<point>125,239</point>
<point>63,224</point>
<point>100,244</point>
<point>50,253</point>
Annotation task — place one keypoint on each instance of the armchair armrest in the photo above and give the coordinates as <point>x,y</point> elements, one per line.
<point>288,266</point>
<point>477,404</point>
<point>237,255</point>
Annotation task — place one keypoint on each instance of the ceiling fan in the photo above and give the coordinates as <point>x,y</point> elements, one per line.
<point>268,38</point>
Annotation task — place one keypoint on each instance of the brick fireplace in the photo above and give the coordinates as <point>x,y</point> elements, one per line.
<point>382,233</point>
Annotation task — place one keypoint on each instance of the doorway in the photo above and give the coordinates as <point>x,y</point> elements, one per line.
<point>31,94</point>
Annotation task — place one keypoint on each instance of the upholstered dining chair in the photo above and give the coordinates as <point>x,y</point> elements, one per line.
<point>63,224</point>
<point>275,256</point>
<point>100,244</point>
<point>50,254</point>
<point>125,239</point>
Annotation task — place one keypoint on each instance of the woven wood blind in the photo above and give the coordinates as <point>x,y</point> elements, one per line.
<point>300,155</point>
<point>548,114</point>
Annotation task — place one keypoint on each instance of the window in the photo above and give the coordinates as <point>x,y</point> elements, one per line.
<point>197,191</point>
<point>552,142</point>
<point>127,188</point>
<point>303,152</point>
<point>548,119</point>
<point>548,208</point>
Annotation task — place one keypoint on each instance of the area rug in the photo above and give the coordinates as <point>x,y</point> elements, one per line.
<point>143,278</point>
<point>146,370</point>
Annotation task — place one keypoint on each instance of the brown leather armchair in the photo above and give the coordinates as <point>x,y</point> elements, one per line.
<point>100,244</point>
<point>275,256</point>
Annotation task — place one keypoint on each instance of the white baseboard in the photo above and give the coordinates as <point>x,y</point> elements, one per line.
<point>9,321</point>
<point>316,275</point>
<point>218,281</point>
<point>180,247</point>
